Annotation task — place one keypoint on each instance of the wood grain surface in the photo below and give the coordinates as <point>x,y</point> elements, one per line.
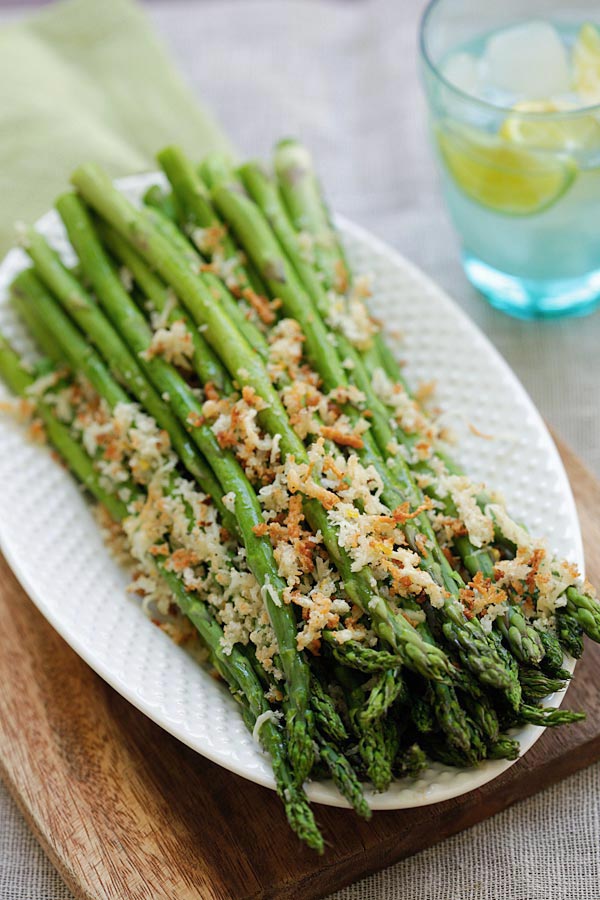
<point>126,812</point>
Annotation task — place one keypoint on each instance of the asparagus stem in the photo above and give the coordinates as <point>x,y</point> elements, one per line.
<point>304,201</point>
<point>536,685</point>
<point>135,331</point>
<point>299,814</point>
<point>299,188</point>
<point>159,199</point>
<point>253,238</point>
<point>372,741</point>
<point>410,762</point>
<point>206,364</point>
<point>345,778</point>
<point>327,718</point>
<point>245,365</point>
<point>504,748</point>
<point>72,344</point>
<point>356,656</point>
<point>19,380</point>
<point>389,688</point>
<point>422,715</point>
<point>199,213</point>
<point>586,610</point>
<point>234,665</point>
<point>254,234</point>
<point>570,632</point>
<point>553,656</point>
<point>215,167</point>
<point>238,310</point>
<point>123,365</point>
<point>539,715</point>
<point>36,328</point>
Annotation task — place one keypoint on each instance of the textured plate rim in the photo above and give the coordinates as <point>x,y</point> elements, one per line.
<point>463,781</point>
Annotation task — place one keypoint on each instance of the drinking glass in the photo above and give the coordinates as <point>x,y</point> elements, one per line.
<point>521,181</point>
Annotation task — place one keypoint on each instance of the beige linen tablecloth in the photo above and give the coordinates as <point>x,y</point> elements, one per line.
<point>344,77</point>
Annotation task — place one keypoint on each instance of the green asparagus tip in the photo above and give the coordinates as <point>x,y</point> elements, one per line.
<point>504,748</point>
<point>302,821</point>
<point>345,778</point>
<point>548,717</point>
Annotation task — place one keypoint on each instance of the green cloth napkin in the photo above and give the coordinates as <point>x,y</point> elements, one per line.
<point>87,80</point>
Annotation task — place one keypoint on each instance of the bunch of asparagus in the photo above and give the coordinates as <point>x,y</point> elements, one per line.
<point>209,371</point>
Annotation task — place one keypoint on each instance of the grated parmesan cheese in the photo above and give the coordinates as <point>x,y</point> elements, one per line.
<point>174,343</point>
<point>480,527</point>
<point>229,501</point>
<point>269,715</point>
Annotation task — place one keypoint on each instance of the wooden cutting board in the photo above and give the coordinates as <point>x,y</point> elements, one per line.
<point>126,812</point>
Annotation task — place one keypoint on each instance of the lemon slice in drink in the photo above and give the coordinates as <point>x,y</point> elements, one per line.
<point>504,177</point>
<point>586,64</point>
<point>567,134</point>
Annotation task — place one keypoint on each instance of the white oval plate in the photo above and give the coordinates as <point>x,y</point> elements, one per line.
<point>53,545</point>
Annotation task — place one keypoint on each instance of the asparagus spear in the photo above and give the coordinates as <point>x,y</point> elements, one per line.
<point>451,717</point>
<point>536,685</point>
<point>522,638</point>
<point>389,687</point>
<point>67,339</point>
<point>504,748</point>
<point>234,666</point>
<point>136,332</point>
<point>373,746</point>
<point>198,213</point>
<point>156,197</point>
<point>514,695</point>
<point>483,714</point>
<point>548,717</point>
<point>375,753</point>
<point>422,715</point>
<point>299,188</point>
<point>444,701</point>
<point>586,611</point>
<point>553,656</point>
<point>304,201</point>
<point>206,364</point>
<point>356,656</point>
<point>247,368</point>
<point>570,632</point>
<point>478,704</point>
<point>19,380</point>
<point>255,236</point>
<point>450,756</point>
<point>410,762</point>
<point>215,167</point>
<point>297,810</point>
<point>239,311</point>
<point>40,334</point>
<point>120,360</point>
<point>327,718</point>
<point>344,777</point>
